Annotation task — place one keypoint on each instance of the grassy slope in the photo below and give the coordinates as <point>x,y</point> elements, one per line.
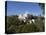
<point>15,26</point>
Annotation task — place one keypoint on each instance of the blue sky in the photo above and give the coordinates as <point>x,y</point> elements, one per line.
<point>16,8</point>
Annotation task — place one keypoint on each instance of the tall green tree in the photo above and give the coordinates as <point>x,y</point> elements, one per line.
<point>42,5</point>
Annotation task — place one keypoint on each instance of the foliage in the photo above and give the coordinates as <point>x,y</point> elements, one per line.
<point>42,6</point>
<point>16,26</point>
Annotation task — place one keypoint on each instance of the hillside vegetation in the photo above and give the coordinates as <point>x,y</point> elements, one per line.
<point>13,25</point>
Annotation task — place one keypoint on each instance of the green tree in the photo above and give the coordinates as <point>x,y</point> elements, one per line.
<point>42,5</point>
